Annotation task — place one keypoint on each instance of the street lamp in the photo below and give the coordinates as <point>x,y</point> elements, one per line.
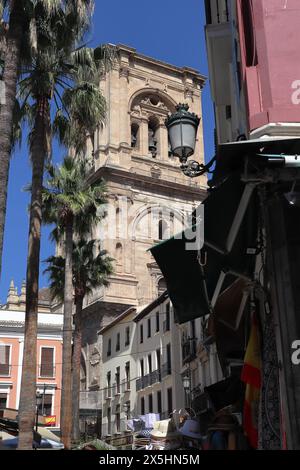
<point>39,399</point>
<point>182,129</point>
<point>186,382</point>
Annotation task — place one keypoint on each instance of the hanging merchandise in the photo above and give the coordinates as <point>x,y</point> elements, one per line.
<point>191,435</point>
<point>225,432</point>
<point>251,375</point>
<point>165,436</point>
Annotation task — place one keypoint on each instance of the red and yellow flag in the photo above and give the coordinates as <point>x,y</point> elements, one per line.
<point>50,420</point>
<point>251,375</point>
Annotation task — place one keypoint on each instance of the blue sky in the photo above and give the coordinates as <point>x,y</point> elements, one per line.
<point>169,30</point>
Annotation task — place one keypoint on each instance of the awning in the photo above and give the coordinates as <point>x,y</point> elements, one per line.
<point>229,230</point>
<point>231,155</point>
<point>184,278</point>
<point>226,392</point>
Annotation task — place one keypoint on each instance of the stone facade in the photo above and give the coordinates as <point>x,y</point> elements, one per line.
<point>149,196</point>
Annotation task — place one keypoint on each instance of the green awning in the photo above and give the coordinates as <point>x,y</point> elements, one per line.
<point>184,278</point>
<point>192,286</point>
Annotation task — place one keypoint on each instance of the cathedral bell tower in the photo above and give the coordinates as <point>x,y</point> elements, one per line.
<point>148,194</point>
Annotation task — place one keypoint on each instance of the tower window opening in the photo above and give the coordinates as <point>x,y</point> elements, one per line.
<point>152,136</point>
<point>135,135</point>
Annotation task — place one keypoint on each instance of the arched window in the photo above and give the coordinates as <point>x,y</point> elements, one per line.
<point>161,286</point>
<point>153,136</point>
<point>135,135</point>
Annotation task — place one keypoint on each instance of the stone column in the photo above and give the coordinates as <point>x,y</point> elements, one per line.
<point>114,111</point>
<point>162,140</point>
<point>123,106</point>
<point>144,142</point>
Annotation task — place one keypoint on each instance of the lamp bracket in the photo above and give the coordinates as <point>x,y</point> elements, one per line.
<point>192,169</point>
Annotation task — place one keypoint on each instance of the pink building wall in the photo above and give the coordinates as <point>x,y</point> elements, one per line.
<point>270,60</point>
<point>14,377</point>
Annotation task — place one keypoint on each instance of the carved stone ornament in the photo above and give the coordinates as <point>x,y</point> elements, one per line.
<point>94,385</point>
<point>95,357</point>
<point>155,171</point>
<point>124,72</point>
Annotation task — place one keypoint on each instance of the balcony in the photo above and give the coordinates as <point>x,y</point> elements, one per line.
<point>166,326</point>
<point>166,370</point>
<point>116,433</point>
<point>148,380</point>
<point>125,386</point>
<point>90,399</point>
<point>188,350</point>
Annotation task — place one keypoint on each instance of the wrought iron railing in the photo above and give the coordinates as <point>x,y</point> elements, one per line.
<point>166,370</point>
<point>148,380</point>
<point>189,349</point>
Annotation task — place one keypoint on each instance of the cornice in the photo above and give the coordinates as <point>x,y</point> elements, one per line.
<point>124,176</point>
<point>182,71</point>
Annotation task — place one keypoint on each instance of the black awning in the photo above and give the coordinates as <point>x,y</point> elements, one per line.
<point>227,392</point>
<point>231,155</point>
<point>184,278</point>
<point>192,286</point>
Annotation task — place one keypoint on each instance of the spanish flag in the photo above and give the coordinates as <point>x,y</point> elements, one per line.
<point>251,375</point>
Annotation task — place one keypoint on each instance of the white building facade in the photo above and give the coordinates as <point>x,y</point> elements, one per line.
<point>146,356</point>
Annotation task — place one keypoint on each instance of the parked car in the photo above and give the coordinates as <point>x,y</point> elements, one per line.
<point>10,444</point>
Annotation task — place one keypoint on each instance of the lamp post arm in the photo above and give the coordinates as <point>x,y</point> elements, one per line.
<point>193,169</point>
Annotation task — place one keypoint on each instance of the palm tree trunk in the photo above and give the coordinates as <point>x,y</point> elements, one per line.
<point>66,394</point>
<point>76,370</point>
<point>39,152</point>
<point>7,102</point>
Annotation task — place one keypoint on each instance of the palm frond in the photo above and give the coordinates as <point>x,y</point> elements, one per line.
<point>91,269</point>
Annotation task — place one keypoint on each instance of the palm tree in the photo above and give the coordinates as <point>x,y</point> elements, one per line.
<point>72,204</point>
<point>89,272</point>
<point>53,69</point>
<point>20,38</point>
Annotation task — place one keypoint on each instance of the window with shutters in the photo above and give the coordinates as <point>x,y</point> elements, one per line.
<point>45,407</point>
<point>142,405</point>
<point>159,402</point>
<point>109,348</point>
<point>47,362</point>
<point>127,336</point>
<point>150,403</point>
<point>5,360</point>
<point>118,343</point>
<point>118,418</point>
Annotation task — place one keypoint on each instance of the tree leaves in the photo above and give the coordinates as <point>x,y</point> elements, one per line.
<point>91,269</point>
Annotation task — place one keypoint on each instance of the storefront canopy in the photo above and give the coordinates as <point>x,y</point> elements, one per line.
<point>231,156</point>
<point>195,278</point>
